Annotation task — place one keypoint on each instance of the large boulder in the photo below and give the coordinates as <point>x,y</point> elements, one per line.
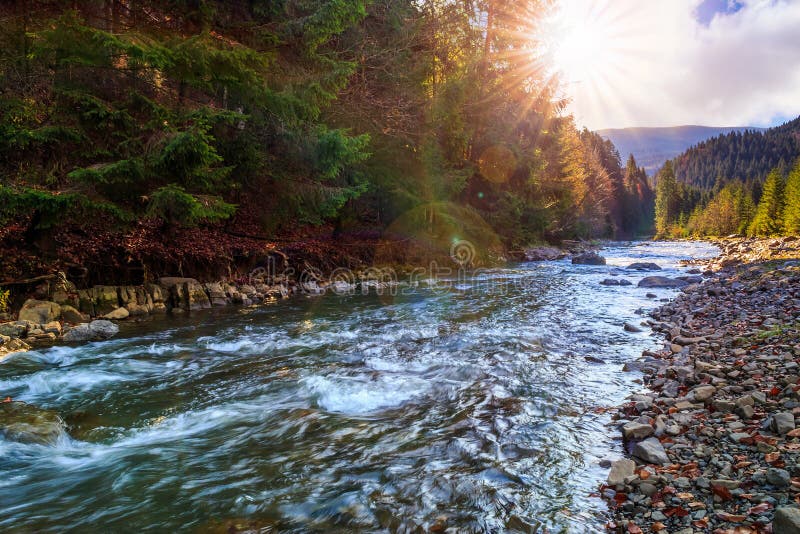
<point>787,520</point>
<point>620,470</point>
<point>589,258</point>
<point>94,331</point>
<point>117,315</point>
<point>39,311</point>
<point>25,423</point>
<point>102,329</point>
<point>662,282</point>
<point>644,266</point>
<point>650,451</point>
<point>185,293</point>
<point>106,299</point>
<point>71,315</point>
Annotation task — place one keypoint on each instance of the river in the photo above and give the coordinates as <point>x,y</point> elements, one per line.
<point>476,404</point>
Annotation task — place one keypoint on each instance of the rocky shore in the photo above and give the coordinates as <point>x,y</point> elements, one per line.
<point>714,440</point>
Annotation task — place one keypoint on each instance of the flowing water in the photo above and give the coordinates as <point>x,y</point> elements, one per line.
<point>478,400</point>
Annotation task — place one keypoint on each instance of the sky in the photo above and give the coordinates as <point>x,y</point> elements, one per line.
<point>674,62</point>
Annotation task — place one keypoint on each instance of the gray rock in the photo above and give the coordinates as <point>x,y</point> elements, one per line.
<point>782,423</point>
<point>78,333</point>
<point>661,281</point>
<point>27,424</point>
<point>703,393</point>
<point>643,266</point>
<point>778,477</point>
<point>118,314</point>
<point>589,258</point>
<point>620,470</point>
<point>634,430</point>
<point>609,282</point>
<point>39,311</point>
<point>631,328</point>
<point>651,451</point>
<point>101,329</point>
<point>13,329</point>
<point>71,315</point>
<point>787,520</point>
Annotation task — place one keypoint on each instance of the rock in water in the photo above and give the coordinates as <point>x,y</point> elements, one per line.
<point>39,311</point>
<point>620,470</point>
<point>118,314</point>
<point>640,266</point>
<point>662,281</point>
<point>27,424</point>
<point>787,520</point>
<point>631,328</point>
<point>634,430</point>
<point>651,451</point>
<point>589,258</point>
<point>101,329</point>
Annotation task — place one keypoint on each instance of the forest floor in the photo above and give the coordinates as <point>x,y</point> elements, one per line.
<point>714,441</point>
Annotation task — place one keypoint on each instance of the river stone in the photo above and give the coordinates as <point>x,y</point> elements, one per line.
<point>662,281</point>
<point>101,329</point>
<point>39,311</point>
<point>643,266</point>
<point>778,477</point>
<point>18,329</point>
<point>620,470</point>
<point>609,282</point>
<point>634,430</point>
<point>787,520</point>
<point>703,393</point>
<point>118,314</point>
<point>782,423</point>
<point>71,315</point>
<point>27,424</point>
<point>78,333</point>
<point>589,258</point>
<point>106,299</point>
<point>651,451</point>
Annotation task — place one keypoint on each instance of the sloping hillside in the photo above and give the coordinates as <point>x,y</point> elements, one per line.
<point>747,156</point>
<point>653,146</point>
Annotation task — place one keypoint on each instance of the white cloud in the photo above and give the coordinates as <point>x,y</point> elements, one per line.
<point>662,67</point>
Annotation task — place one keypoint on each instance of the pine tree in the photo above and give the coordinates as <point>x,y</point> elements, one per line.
<point>767,220</point>
<point>667,200</point>
<point>791,208</point>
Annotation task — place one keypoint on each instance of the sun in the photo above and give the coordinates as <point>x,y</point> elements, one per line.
<point>581,44</point>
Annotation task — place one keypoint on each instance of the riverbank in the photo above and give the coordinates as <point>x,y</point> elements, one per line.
<point>714,442</point>
<point>56,310</point>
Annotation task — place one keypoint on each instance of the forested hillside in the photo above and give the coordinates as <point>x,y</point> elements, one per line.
<point>747,156</point>
<point>738,183</point>
<point>179,135</point>
<point>654,146</point>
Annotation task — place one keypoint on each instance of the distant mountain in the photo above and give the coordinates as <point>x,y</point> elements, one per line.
<point>747,156</point>
<point>653,146</point>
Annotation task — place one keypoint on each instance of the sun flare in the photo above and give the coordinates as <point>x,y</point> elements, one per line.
<point>582,41</point>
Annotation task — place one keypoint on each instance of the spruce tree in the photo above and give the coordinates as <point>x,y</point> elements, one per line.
<point>767,220</point>
<point>791,208</point>
<point>667,200</point>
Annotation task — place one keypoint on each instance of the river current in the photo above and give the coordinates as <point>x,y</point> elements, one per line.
<point>476,404</point>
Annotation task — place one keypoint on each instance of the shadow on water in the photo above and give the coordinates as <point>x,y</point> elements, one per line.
<point>470,405</point>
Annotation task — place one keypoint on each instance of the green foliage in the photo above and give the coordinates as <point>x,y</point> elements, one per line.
<point>743,156</point>
<point>49,209</point>
<point>791,208</point>
<point>173,205</point>
<point>730,211</point>
<point>5,300</point>
<point>768,217</point>
<point>667,203</point>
